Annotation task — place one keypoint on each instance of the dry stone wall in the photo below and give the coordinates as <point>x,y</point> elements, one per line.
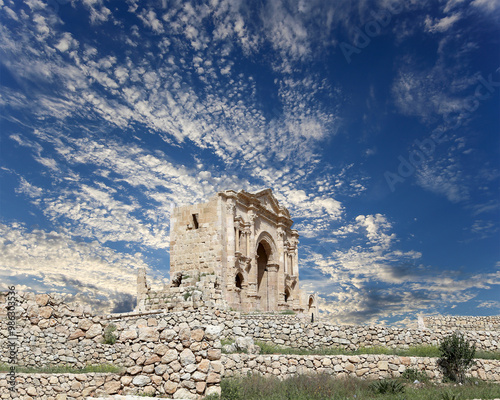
<point>81,386</point>
<point>290,331</point>
<point>52,332</point>
<point>361,366</point>
<point>63,386</point>
<point>179,353</point>
<point>491,323</point>
<point>175,354</point>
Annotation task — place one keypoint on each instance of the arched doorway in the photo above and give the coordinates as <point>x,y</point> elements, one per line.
<point>287,295</point>
<point>262,276</point>
<point>267,272</point>
<point>238,280</point>
<point>311,303</point>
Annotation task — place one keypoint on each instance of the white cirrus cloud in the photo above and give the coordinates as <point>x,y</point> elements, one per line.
<point>53,262</point>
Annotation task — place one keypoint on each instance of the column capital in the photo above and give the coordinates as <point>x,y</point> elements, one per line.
<point>230,207</point>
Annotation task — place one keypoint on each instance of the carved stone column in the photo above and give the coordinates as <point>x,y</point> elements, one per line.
<point>247,234</point>
<point>252,251</point>
<point>227,277</point>
<point>296,262</point>
<point>280,279</point>
<point>295,242</point>
<point>237,239</point>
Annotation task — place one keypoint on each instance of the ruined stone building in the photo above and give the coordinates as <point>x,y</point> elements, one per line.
<point>236,251</point>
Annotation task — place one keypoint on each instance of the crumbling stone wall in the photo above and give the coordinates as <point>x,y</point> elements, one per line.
<point>79,386</point>
<point>192,290</point>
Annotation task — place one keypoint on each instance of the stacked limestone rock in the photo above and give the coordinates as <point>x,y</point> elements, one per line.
<point>487,323</point>
<point>351,337</point>
<point>174,354</point>
<point>179,361</point>
<point>361,366</point>
<point>188,361</point>
<point>60,386</point>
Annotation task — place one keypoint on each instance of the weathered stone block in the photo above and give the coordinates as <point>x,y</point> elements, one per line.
<point>187,357</point>
<point>93,331</point>
<point>185,394</point>
<point>148,334</point>
<point>170,387</point>
<point>112,387</point>
<point>128,335</point>
<point>141,380</point>
<point>169,356</point>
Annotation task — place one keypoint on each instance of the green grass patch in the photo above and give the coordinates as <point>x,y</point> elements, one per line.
<point>270,348</point>
<point>415,351</point>
<point>486,355</point>
<point>64,369</point>
<point>224,342</point>
<point>326,387</point>
<point>373,350</point>
<point>419,351</point>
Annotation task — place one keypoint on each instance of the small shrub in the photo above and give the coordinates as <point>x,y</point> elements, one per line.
<point>288,312</point>
<point>268,348</point>
<point>187,295</point>
<point>457,355</point>
<point>109,336</point>
<point>231,389</point>
<point>412,375</point>
<point>388,386</point>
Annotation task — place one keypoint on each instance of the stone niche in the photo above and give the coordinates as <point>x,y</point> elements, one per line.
<point>238,250</point>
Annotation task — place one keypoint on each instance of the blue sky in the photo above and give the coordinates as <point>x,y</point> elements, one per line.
<point>375,123</point>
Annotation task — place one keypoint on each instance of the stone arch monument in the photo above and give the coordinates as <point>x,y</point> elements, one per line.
<point>246,243</point>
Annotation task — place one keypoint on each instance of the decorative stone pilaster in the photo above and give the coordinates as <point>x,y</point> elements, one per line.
<point>252,250</point>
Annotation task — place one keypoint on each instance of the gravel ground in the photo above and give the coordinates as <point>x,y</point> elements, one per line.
<point>130,397</point>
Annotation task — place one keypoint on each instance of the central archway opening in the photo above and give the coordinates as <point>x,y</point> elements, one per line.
<point>238,280</point>
<point>287,295</point>
<point>262,276</point>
